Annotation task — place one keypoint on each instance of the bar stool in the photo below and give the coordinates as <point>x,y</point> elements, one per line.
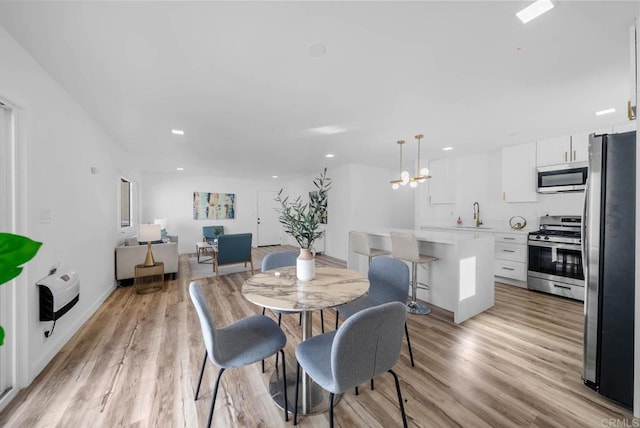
<point>360,245</point>
<point>404,246</point>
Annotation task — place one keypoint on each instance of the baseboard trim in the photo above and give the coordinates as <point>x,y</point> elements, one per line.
<point>40,364</point>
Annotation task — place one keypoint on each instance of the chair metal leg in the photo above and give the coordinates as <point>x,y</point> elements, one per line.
<point>356,388</point>
<point>372,385</point>
<point>406,332</point>
<point>404,416</point>
<point>204,362</point>
<point>213,400</point>
<point>322,320</point>
<point>295,407</point>
<point>284,386</point>
<point>300,319</point>
<point>337,319</point>
<point>279,319</point>
<point>331,409</point>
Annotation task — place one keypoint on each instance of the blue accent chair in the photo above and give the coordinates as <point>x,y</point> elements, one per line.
<point>211,233</point>
<point>232,249</point>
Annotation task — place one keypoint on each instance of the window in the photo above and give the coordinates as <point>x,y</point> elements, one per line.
<point>126,212</point>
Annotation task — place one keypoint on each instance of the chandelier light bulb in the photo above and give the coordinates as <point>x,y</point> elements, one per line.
<point>424,171</point>
<point>395,186</point>
<point>413,184</point>
<point>405,177</point>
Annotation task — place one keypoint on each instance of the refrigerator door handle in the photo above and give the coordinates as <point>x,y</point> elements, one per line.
<point>585,231</point>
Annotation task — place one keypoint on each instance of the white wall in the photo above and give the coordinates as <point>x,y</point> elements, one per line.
<point>479,179</point>
<point>58,144</point>
<point>170,195</point>
<point>361,198</point>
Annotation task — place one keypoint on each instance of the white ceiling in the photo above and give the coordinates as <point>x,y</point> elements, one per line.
<point>238,77</point>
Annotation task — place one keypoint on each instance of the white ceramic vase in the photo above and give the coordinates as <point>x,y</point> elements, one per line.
<point>305,265</point>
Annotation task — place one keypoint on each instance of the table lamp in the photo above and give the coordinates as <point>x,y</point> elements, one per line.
<point>148,233</point>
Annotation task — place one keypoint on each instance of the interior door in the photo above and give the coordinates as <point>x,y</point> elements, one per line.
<point>269,228</point>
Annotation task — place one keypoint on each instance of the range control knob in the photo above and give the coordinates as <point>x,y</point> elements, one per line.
<point>537,236</point>
<point>546,238</point>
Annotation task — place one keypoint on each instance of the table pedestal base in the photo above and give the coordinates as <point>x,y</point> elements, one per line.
<point>318,397</point>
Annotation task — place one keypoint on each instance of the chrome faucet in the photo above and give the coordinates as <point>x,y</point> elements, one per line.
<point>476,214</point>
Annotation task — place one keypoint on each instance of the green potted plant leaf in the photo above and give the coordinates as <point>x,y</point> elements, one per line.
<point>302,221</point>
<point>15,250</point>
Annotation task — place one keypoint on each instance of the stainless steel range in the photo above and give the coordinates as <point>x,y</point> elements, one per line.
<point>555,257</point>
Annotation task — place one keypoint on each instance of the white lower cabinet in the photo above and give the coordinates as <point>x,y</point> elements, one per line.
<point>511,256</point>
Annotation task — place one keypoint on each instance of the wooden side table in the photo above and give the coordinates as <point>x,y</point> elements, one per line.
<point>203,248</point>
<point>149,279</point>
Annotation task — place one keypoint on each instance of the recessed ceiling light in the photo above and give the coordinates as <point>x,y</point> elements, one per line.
<point>177,132</point>
<point>606,111</point>
<point>317,49</point>
<point>274,176</point>
<point>446,149</point>
<point>180,168</point>
<point>534,10</point>
<point>329,155</point>
<point>328,130</point>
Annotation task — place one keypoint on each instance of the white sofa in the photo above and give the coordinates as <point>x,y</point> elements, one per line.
<point>128,256</point>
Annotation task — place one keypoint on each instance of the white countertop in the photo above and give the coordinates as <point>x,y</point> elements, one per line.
<point>436,236</point>
<point>488,229</point>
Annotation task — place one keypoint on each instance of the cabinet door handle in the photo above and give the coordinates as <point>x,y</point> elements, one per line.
<point>504,196</point>
<point>509,239</point>
<point>506,268</point>
<point>565,156</point>
<point>508,251</point>
<point>575,155</point>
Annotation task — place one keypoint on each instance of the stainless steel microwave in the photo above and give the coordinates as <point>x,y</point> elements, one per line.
<point>569,177</point>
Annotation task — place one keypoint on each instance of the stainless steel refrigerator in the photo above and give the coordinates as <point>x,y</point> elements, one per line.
<point>609,224</point>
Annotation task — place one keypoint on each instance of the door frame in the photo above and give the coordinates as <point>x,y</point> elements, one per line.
<point>16,198</point>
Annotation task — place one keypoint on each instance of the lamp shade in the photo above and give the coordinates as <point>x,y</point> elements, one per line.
<point>149,232</point>
<point>163,222</point>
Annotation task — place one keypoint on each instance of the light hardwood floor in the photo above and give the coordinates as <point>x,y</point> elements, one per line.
<point>136,363</point>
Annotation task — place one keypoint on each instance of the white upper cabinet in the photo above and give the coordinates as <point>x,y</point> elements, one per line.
<point>580,147</point>
<point>552,151</point>
<point>625,127</point>
<point>566,149</point>
<point>442,182</point>
<point>519,173</point>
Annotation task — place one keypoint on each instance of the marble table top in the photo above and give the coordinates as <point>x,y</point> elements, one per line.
<point>280,289</point>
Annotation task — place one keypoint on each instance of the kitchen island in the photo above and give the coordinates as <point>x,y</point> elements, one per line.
<point>461,281</point>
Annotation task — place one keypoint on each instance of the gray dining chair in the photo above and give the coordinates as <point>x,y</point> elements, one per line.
<point>278,260</point>
<point>241,343</point>
<point>366,345</point>
<point>388,282</point>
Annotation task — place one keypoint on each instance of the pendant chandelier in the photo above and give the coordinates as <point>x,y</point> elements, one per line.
<point>404,175</point>
<point>421,173</point>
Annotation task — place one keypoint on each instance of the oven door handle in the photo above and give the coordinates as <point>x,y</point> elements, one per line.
<point>557,245</point>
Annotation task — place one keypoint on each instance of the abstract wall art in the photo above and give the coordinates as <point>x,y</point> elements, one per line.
<point>213,205</point>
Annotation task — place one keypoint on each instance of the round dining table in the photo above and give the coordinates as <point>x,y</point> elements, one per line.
<point>279,289</point>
